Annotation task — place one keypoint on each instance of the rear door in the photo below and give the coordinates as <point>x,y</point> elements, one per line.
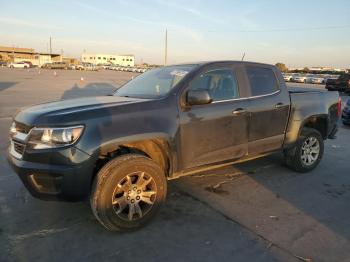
<point>217,131</point>
<point>268,107</point>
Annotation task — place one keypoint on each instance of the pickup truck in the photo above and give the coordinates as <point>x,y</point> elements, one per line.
<point>120,150</point>
<point>340,84</point>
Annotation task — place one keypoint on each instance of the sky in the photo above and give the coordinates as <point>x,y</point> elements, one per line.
<point>297,33</point>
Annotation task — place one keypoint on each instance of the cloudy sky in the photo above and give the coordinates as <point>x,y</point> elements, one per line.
<point>297,33</point>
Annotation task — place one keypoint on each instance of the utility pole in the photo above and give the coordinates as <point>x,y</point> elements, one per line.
<point>50,46</point>
<point>166,47</point>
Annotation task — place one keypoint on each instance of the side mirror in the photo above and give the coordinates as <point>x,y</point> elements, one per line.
<point>198,97</point>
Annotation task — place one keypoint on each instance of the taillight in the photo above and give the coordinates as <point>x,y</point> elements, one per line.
<point>348,82</point>
<point>339,107</point>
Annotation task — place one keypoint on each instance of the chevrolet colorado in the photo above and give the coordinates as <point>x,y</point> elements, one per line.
<point>168,122</point>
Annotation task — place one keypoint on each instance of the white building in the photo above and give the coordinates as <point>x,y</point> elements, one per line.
<point>96,59</point>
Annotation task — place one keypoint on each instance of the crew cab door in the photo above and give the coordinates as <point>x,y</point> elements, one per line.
<point>217,131</point>
<point>269,105</point>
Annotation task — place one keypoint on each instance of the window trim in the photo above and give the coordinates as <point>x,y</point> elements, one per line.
<point>213,70</point>
<point>247,98</point>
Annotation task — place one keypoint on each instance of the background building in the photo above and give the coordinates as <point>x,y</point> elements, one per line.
<point>16,54</point>
<point>96,59</point>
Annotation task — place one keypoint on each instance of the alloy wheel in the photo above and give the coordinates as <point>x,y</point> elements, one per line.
<point>134,196</point>
<point>310,151</point>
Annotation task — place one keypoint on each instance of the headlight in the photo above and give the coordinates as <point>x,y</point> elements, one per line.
<point>13,129</point>
<point>41,138</point>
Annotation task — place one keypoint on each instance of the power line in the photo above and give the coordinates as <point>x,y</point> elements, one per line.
<point>272,30</point>
<point>319,28</point>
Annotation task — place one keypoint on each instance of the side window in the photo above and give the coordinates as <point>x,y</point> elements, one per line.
<point>221,84</point>
<point>262,80</point>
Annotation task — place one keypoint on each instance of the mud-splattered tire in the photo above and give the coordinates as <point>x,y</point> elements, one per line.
<point>127,192</point>
<point>307,153</point>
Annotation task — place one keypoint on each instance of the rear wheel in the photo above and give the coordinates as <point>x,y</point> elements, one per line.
<point>307,153</point>
<point>127,192</point>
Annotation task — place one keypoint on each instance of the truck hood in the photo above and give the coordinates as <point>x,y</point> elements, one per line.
<point>59,109</point>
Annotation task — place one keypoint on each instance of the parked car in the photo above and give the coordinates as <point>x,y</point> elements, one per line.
<point>346,113</point>
<point>106,66</point>
<point>18,65</point>
<point>3,63</point>
<point>342,83</point>
<point>308,78</point>
<point>56,65</point>
<point>29,63</point>
<point>167,123</point>
<point>46,65</point>
<point>59,65</point>
<point>115,68</point>
<point>318,80</point>
<point>89,67</point>
<point>287,77</point>
<point>79,67</point>
<point>299,79</point>
<point>72,67</point>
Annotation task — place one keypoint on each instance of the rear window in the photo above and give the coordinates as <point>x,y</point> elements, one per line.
<point>262,80</point>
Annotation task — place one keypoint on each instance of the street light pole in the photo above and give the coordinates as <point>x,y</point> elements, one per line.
<point>166,47</point>
<point>50,47</point>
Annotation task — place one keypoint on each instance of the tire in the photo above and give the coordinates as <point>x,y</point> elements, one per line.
<point>296,158</point>
<point>137,187</point>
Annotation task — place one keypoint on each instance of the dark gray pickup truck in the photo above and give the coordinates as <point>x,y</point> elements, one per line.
<point>169,122</point>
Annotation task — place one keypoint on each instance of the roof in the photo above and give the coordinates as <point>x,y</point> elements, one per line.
<point>202,63</point>
<point>16,50</point>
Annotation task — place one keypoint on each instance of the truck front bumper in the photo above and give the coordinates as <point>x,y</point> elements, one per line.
<point>50,179</point>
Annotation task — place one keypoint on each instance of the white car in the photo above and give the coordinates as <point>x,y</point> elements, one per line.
<point>318,80</point>
<point>309,78</point>
<point>18,65</point>
<point>299,79</point>
<point>287,77</point>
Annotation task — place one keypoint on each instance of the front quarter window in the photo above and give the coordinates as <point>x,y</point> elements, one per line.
<point>155,83</point>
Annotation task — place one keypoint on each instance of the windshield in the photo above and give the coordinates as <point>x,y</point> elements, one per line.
<point>154,83</point>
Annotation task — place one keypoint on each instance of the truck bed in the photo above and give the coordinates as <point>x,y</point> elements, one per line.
<point>295,90</point>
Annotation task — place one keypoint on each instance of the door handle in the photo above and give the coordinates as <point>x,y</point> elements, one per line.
<point>239,111</point>
<point>279,105</point>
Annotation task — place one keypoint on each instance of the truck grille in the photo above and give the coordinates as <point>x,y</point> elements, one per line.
<point>18,147</point>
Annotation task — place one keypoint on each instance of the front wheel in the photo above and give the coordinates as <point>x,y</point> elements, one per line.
<point>127,192</point>
<point>307,153</point>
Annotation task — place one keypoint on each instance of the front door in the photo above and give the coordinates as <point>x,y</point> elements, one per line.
<point>217,131</point>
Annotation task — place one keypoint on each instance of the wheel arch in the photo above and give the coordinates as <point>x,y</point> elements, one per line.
<point>318,122</point>
<point>156,148</point>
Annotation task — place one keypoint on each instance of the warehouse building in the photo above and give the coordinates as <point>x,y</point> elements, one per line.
<point>98,59</point>
<point>16,54</point>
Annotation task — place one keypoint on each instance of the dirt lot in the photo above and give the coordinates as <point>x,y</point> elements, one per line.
<point>257,211</point>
